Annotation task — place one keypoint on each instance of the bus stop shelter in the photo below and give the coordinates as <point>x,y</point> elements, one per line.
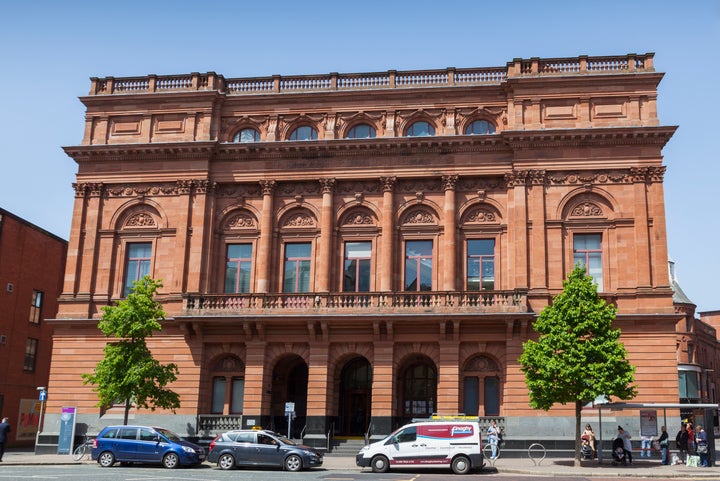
<point>708,422</point>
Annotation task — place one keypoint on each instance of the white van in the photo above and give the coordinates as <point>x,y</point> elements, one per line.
<point>453,444</point>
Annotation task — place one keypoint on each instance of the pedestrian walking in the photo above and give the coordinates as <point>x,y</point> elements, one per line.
<point>4,430</point>
<point>664,443</point>
<point>493,435</point>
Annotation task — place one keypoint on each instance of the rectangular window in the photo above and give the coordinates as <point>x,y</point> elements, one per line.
<point>36,307</point>
<point>418,265</point>
<point>356,273</point>
<point>587,250</point>
<point>137,265</point>
<point>238,264</point>
<point>297,267</point>
<point>218,401</point>
<point>238,395</point>
<point>30,354</point>
<point>480,264</point>
<point>688,385</point>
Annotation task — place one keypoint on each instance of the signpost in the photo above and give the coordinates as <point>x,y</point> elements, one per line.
<point>42,397</point>
<point>290,413</point>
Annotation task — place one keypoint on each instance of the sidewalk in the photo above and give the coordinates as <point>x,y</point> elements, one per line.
<point>547,467</point>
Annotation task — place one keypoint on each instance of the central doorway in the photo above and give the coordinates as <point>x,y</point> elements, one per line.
<point>355,397</point>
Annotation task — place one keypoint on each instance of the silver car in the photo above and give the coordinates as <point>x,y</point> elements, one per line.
<point>261,448</point>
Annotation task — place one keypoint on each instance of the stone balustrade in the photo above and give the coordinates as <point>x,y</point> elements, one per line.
<point>449,77</point>
<point>352,302</point>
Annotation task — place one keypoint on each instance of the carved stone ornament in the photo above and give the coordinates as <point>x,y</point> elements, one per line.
<point>358,218</point>
<point>241,221</point>
<point>586,209</point>
<point>481,364</point>
<point>300,220</point>
<point>418,216</point>
<point>388,183</point>
<point>140,220</point>
<point>228,364</point>
<point>480,215</point>
<point>449,182</point>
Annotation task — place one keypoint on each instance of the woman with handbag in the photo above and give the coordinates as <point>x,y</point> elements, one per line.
<point>702,446</point>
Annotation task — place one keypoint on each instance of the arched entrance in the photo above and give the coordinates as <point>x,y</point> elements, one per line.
<point>355,397</point>
<point>417,386</point>
<point>289,384</point>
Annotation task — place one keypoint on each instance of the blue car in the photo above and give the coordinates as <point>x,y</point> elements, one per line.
<point>144,444</point>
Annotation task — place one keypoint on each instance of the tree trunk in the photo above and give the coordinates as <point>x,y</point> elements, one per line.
<point>578,414</point>
<point>127,412</point>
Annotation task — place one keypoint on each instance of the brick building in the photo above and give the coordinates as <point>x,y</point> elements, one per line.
<point>32,263</point>
<point>370,247</point>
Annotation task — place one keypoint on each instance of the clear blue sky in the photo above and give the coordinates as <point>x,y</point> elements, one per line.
<point>50,49</point>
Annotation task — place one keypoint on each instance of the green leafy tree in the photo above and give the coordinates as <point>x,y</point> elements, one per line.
<point>577,356</point>
<point>128,372</point>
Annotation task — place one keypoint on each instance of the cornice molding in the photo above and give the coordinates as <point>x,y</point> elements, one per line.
<point>539,139</point>
<point>389,146</point>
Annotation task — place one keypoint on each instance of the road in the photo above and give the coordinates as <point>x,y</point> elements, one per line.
<point>91,472</point>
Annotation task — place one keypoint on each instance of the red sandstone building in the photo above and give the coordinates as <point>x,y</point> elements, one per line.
<point>370,247</point>
<point>32,262</point>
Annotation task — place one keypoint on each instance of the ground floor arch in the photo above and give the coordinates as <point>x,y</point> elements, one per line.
<point>289,385</point>
<point>355,396</point>
<point>416,384</point>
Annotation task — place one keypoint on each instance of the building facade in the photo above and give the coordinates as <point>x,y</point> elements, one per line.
<point>32,265</point>
<point>369,247</point>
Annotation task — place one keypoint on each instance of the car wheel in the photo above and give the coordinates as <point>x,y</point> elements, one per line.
<point>171,461</point>
<point>461,465</point>
<point>380,464</point>
<point>293,463</point>
<point>106,459</point>
<point>226,461</point>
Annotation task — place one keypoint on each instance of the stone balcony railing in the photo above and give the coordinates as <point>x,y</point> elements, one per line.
<point>359,303</point>
<point>449,77</point>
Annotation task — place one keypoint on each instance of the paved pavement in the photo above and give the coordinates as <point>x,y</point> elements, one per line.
<point>547,467</point>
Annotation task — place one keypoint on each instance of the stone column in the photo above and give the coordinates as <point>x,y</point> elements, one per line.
<point>640,177</point>
<point>324,260</point>
<point>517,229</point>
<point>537,235</point>
<point>448,392</point>
<point>255,410</point>
<point>450,233</point>
<point>388,235</point>
<point>656,208</point>
<point>89,264</point>
<point>318,392</point>
<point>266,236</point>
<point>383,398</point>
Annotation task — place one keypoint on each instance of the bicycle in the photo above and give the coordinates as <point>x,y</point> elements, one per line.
<point>83,449</point>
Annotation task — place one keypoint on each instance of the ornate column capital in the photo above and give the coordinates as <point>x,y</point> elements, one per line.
<point>327,185</point>
<point>449,182</point>
<point>268,186</point>
<point>388,183</point>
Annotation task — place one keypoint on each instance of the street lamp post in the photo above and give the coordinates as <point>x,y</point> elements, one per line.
<point>42,394</point>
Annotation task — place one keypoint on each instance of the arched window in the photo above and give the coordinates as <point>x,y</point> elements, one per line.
<point>361,131</point>
<point>247,135</point>
<point>479,127</point>
<point>420,129</point>
<point>304,133</point>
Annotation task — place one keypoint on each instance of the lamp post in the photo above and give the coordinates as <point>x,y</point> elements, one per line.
<point>42,395</point>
